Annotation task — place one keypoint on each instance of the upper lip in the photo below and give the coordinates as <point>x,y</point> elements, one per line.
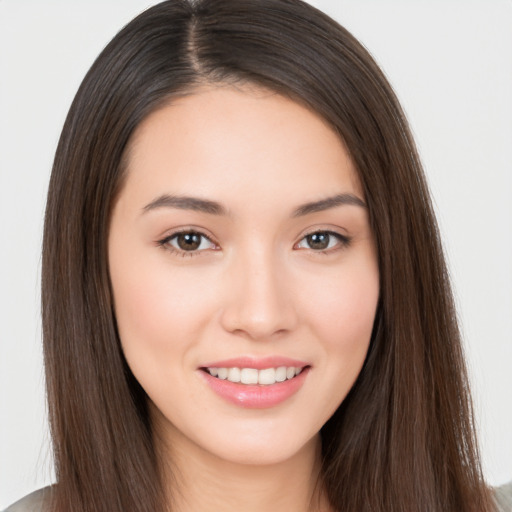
<point>258,363</point>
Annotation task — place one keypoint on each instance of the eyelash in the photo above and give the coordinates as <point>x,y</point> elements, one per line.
<point>165,242</point>
<point>343,242</point>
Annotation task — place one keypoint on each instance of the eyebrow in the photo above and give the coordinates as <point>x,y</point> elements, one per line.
<point>215,208</point>
<point>186,203</point>
<point>326,204</point>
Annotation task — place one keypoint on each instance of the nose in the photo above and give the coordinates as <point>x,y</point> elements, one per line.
<point>260,299</point>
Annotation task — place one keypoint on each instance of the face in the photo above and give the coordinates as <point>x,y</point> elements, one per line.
<point>244,272</point>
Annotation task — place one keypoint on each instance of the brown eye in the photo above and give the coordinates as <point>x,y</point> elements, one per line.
<point>318,241</point>
<point>323,241</point>
<point>189,241</point>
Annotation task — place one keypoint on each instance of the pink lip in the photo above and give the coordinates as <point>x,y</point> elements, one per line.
<point>254,396</point>
<point>259,363</point>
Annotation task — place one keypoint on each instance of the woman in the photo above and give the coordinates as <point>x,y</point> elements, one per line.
<point>245,302</point>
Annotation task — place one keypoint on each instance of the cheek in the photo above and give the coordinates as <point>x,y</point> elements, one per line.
<point>157,309</point>
<point>342,312</point>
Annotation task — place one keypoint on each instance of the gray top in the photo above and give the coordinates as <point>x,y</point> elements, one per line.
<point>34,501</point>
<point>503,497</point>
<point>31,503</point>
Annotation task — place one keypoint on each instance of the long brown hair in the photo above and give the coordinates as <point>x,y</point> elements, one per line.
<point>403,439</point>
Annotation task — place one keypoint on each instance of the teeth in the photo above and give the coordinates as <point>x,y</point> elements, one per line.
<point>248,376</point>
<point>281,374</point>
<point>222,373</point>
<point>267,376</point>
<point>263,377</point>
<point>234,375</point>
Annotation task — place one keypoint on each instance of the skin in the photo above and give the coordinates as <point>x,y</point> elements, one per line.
<point>255,287</point>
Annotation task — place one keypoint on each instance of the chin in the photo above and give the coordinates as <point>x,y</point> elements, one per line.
<point>258,450</point>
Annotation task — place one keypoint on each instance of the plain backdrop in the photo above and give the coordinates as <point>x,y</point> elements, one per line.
<point>450,63</point>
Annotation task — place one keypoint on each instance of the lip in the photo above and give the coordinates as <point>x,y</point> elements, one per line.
<point>258,363</point>
<point>255,396</point>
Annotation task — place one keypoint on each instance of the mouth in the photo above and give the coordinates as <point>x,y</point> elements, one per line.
<point>256,383</point>
<point>254,376</point>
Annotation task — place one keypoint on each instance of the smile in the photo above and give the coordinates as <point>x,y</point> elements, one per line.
<point>252,376</point>
<point>255,388</point>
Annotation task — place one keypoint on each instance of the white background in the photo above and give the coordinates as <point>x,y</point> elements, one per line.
<point>450,62</point>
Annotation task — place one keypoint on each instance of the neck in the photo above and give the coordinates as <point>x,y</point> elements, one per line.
<point>199,481</point>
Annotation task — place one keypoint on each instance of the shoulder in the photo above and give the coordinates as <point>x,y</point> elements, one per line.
<point>503,497</point>
<point>33,502</point>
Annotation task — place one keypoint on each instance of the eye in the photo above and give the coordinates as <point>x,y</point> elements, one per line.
<point>323,241</point>
<point>187,241</point>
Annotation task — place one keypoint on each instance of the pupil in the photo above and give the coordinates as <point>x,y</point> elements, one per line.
<point>318,240</point>
<point>189,241</point>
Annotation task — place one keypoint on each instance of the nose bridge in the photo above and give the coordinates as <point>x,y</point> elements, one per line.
<point>260,302</point>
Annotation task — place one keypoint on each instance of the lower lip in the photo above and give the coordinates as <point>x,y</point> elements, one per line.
<point>256,396</point>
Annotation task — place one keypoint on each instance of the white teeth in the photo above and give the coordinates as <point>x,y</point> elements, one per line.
<point>222,373</point>
<point>267,376</point>
<point>281,374</point>
<point>263,377</point>
<point>234,375</point>
<point>249,376</point>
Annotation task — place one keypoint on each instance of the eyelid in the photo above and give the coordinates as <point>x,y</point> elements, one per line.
<point>164,241</point>
<point>343,240</point>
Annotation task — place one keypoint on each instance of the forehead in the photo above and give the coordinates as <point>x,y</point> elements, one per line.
<point>242,142</point>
